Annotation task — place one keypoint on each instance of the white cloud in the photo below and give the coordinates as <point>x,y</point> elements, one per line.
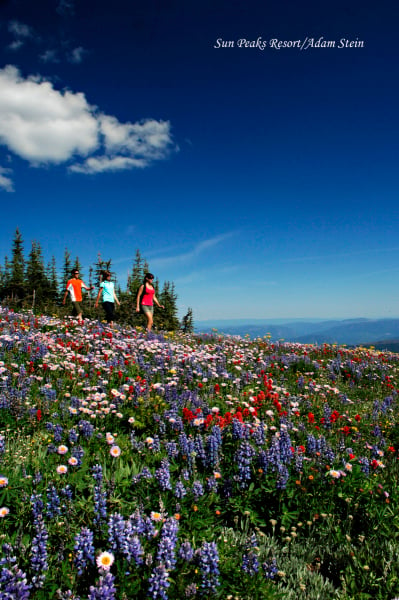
<point>76,55</point>
<point>50,56</point>
<point>65,7</point>
<point>102,164</point>
<point>20,32</point>
<point>5,181</point>
<point>187,257</point>
<point>46,126</point>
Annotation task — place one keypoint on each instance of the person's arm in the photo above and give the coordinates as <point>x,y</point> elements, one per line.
<point>87,288</point>
<point>116,299</point>
<point>138,298</point>
<point>66,294</point>
<point>157,303</point>
<point>98,297</point>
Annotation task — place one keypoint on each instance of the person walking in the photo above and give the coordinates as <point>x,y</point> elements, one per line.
<point>107,290</point>
<point>74,288</point>
<point>146,298</point>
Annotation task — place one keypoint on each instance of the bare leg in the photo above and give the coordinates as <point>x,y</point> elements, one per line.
<point>150,321</point>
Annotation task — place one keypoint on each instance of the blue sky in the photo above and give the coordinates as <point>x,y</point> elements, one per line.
<point>263,182</point>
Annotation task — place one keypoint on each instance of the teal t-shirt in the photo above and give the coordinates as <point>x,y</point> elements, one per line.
<point>108,291</point>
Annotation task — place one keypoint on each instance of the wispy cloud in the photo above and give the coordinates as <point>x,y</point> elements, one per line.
<point>323,257</point>
<point>195,252</point>
<point>46,126</point>
<point>66,8</point>
<point>20,32</point>
<point>50,56</point>
<point>76,55</point>
<point>5,181</point>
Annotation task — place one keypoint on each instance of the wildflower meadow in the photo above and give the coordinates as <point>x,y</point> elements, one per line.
<point>194,466</point>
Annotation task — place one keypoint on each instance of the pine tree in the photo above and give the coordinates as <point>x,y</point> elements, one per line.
<point>168,318</point>
<point>135,280</point>
<point>37,284</point>
<point>53,281</point>
<point>187,323</point>
<point>67,269</point>
<point>17,275</point>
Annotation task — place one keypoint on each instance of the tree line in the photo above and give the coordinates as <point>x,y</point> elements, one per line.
<point>29,283</point>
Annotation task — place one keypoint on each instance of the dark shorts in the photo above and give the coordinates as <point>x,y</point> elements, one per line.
<point>147,309</point>
<point>109,308</point>
<point>78,307</point>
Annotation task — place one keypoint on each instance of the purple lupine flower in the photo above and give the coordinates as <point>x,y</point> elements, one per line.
<point>211,485</point>
<point>159,583</point>
<point>166,553</point>
<point>2,444</point>
<point>285,446</point>
<point>198,489</point>
<point>105,588</point>
<point>100,496</point>
<point>270,569</point>
<point>132,547</point>
<point>172,450</point>
<point>243,458</point>
<point>13,581</point>
<point>258,434</point>
<point>53,502</point>
<point>149,528</point>
<point>238,430</point>
<point>213,444</point>
<point>84,549</point>
<point>67,492</point>
<point>209,567</point>
<point>186,551</point>
<point>298,461</point>
<point>163,476</point>
<point>311,444</point>
<point>137,523</point>
<point>37,478</point>
<point>282,477</point>
<point>73,436</point>
<point>250,562</point>
<point>263,461</point>
<point>116,531</point>
<point>273,454</point>
<point>180,490</point>
<point>365,465</point>
<point>37,506</point>
<point>86,428</point>
<point>199,449</point>
<point>58,431</point>
<point>38,562</point>
<point>13,584</point>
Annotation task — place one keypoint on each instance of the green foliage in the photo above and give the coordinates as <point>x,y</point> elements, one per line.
<point>30,284</point>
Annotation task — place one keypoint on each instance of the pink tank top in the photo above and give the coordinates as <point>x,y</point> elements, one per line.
<point>148,297</point>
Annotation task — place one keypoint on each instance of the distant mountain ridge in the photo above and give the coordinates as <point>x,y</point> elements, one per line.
<point>333,331</point>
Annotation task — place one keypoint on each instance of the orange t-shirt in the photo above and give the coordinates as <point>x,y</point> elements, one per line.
<point>74,287</point>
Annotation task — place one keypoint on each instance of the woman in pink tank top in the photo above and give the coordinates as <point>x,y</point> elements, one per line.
<point>146,298</point>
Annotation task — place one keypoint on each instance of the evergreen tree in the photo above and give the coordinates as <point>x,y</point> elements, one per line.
<point>167,319</point>
<point>52,278</point>
<point>67,269</point>
<point>187,323</point>
<point>136,278</point>
<point>37,284</point>
<point>17,275</point>
<point>6,278</point>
